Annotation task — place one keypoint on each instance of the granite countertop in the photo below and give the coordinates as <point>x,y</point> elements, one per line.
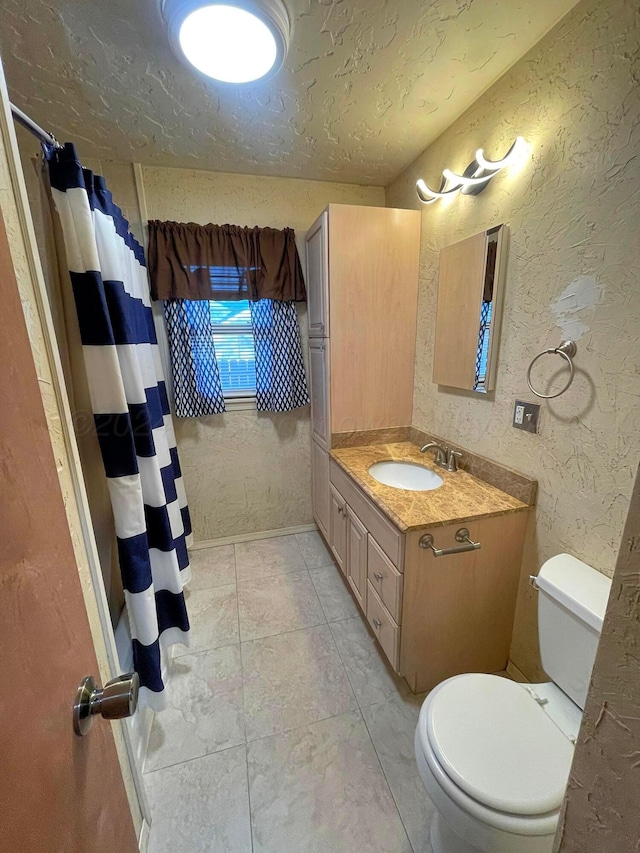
<point>461,497</point>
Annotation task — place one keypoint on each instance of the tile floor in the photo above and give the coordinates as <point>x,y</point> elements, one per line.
<point>287,731</point>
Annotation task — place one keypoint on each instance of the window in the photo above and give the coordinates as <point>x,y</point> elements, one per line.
<point>235,349</point>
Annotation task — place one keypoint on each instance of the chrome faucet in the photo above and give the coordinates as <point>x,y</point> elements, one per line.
<point>440,455</point>
<point>445,457</point>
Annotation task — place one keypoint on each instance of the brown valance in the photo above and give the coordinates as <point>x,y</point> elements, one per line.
<point>223,262</point>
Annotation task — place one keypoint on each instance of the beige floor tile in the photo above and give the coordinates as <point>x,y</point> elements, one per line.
<point>212,567</point>
<point>213,615</point>
<point>314,550</point>
<point>266,557</point>
<point>205,713</point>
<point>392,726</point>
<point>274,605</point>
<point>333,592</point>
<point>370,674</point>
<point>201,806</point>
<point>319,789</point>
<point>291,680</point>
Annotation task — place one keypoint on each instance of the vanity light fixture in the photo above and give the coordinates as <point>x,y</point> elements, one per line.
<point>474,178</point>
<point>232,41</point>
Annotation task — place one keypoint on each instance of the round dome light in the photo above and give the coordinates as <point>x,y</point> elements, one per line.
<point>233,42</point>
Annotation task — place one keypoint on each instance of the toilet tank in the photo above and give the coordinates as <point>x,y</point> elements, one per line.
<point>571,604</point>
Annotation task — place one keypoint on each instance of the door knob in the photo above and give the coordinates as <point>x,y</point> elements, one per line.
<point>117,699</point>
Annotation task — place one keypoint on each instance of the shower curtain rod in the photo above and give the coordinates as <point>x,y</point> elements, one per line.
<point>32,127</point>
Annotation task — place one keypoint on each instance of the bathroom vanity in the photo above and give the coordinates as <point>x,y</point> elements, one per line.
<point>434,616</point>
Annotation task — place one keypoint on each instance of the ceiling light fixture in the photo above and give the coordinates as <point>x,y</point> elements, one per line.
<point>474,178</point>
<point>237,41</point>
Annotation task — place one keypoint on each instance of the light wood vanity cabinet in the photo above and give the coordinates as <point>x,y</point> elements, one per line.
<point>317,240</point>
<point>338,530</point>
<point>385,579</point>
<point>434,617</point>
<point>457,611</point>
<point>362,292</point>
<point>320,487</point>
<point>357,556</point>
<point>319,382</point>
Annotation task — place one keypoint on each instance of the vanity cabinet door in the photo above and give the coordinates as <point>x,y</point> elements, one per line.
<point>338,531</point>
<point>384,578</point>
<point>317,278</point>
<point>385,629</point>
<point>320,487</point>
<point>319,377</point>
<point>357,557</point>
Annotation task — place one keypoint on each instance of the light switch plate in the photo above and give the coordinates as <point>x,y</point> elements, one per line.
<point>526,416</point>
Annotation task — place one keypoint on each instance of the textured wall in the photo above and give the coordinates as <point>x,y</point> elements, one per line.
<point>601,806</point>
<point>245,472</point>
<point>347,106</point>
<point>572,211</point>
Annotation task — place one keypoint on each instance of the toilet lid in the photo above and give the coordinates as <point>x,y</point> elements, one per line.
<point>493,740</point>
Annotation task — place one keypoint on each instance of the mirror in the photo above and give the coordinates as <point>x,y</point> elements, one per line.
<point>468,317</point>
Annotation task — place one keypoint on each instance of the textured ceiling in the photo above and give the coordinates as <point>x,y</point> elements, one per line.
<point>367,84</point>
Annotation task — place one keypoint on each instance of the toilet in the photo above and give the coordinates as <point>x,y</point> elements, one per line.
<point>495,755</point>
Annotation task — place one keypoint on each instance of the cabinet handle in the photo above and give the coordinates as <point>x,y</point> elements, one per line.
<point>462,535</point>
<point>377,623</point>
<point>378,576</point>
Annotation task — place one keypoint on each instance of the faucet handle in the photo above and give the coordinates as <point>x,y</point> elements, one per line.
<point>452,465</point>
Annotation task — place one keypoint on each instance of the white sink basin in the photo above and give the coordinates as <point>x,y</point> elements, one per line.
<point>405,475</point>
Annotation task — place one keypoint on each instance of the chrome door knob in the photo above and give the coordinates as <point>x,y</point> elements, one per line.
<point>116,700</point>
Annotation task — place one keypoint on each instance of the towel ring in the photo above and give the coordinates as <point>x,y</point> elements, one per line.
<point>567,351</point>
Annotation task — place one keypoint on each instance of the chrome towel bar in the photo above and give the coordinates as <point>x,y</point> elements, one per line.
<point>462,535</point>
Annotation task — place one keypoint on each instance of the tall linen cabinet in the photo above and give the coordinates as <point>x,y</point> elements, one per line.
<point>362,292</point>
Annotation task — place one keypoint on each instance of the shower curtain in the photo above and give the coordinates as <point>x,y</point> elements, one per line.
<point>130,412</point>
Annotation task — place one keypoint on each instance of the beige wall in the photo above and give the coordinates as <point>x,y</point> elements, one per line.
<point>572,211</point>
<point>601,805</point>
<point>245,472</point>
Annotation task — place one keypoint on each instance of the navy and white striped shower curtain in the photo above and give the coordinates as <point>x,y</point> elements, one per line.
<point>131,413</point>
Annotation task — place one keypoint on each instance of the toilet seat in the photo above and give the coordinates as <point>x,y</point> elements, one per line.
<point>495,752</point>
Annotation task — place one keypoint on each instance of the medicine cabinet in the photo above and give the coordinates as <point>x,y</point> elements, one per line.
<point>468,318</point>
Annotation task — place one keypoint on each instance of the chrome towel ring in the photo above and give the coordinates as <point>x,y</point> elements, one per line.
<point>567,351</point>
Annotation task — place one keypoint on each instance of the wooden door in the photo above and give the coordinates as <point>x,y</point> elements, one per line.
<point>373,276</point>
<point>59,793</point>
<point>460,286</point>
<point>319,378</point>
<point>338,531</point>
<point>357,556</point>
<point>317,278</point>
<point>320,487</point>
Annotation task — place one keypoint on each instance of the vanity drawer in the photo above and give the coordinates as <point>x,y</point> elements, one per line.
<point>384,627</point>
<point>386,535</point>
<point>385,579</point>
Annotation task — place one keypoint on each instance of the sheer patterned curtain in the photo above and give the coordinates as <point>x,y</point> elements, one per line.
<point>197,388</point>
<point>130,412</point>
<point>281,384</point>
